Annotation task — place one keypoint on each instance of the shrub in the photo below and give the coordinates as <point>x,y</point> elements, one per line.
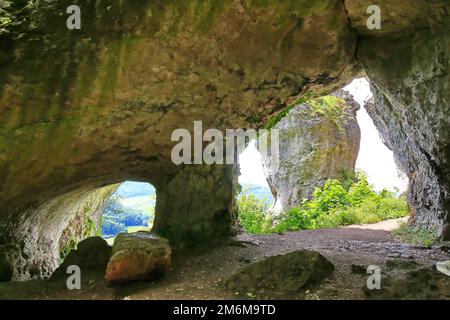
<point>253,214</point>
<point>416,235</point>
<point>335,204</point>
<point>360,192</point>
<point>292,220</point>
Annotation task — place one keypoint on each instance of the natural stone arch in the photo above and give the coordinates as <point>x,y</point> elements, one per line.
<point>130,90</point>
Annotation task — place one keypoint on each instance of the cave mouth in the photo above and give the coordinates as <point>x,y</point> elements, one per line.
<point>372,170</point>
<point>374,157</point>
<point>130,208</point>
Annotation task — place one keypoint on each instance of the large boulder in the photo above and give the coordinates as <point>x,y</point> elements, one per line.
<point>138,256</point>
<point>288,273</point>
<point>319,140</point>
<point>91,255</point>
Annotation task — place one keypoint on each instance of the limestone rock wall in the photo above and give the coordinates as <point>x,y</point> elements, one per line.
<point>412,112</point>
<point>98,105</point>
<point>314,146</point>
<point>197,206</point>
<point>409,72</point>
<point>33,240</point>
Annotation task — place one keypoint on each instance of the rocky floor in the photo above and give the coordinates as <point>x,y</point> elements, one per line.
<point>201,275</point>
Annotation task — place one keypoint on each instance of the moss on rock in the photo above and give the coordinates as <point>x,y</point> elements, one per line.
<point>319,139</point>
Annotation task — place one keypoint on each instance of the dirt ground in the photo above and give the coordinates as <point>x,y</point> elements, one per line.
<point>200,275</point>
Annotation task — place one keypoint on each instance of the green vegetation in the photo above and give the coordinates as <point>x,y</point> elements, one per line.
<point>277,118</point>
<point>6,18</point>
<point>117,218</point>
<point>253,214</point>
<point>416,235</point>
<point>138,228</point>
<point>331,107</point>
<point>70,245</point>
<point>336,204</point>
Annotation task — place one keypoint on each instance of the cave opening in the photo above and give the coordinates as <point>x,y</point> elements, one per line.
<point>130,208</point>
<point>353,155</point>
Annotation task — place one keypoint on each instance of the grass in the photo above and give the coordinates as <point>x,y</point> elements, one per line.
<point>331,107</point>
<point>416,235</point>
<point>272,122</point>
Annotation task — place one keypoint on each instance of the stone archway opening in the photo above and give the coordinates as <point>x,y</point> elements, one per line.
<point>49,232</point>
<point>321,147</point>
<point>374,157</point>
<point>130,208</point>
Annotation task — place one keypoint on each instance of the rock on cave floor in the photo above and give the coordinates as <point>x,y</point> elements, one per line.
<point>200,275</point>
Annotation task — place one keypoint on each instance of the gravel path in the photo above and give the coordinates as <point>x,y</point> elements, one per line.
<point>199,275</point>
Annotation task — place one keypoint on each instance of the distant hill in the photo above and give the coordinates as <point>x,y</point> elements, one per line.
<point>261,192</point>
<point>131,189</point>
<point>131,206</point>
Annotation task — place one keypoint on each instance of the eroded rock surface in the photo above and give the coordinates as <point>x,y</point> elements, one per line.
<point>196,206</point>
<point>138,256</point>
<point>83,109</point>
<point>318,141</point>
<point>281,274</point>
<point>411,84</point>
<point>36,239</point>
<point>408,280</point>
<point>98,106</point>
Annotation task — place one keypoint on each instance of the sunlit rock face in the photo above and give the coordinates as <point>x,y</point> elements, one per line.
<point>84,109</point>
<point>319,140</point>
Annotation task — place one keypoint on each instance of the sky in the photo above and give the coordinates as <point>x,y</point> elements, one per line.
<point>374,157</point>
